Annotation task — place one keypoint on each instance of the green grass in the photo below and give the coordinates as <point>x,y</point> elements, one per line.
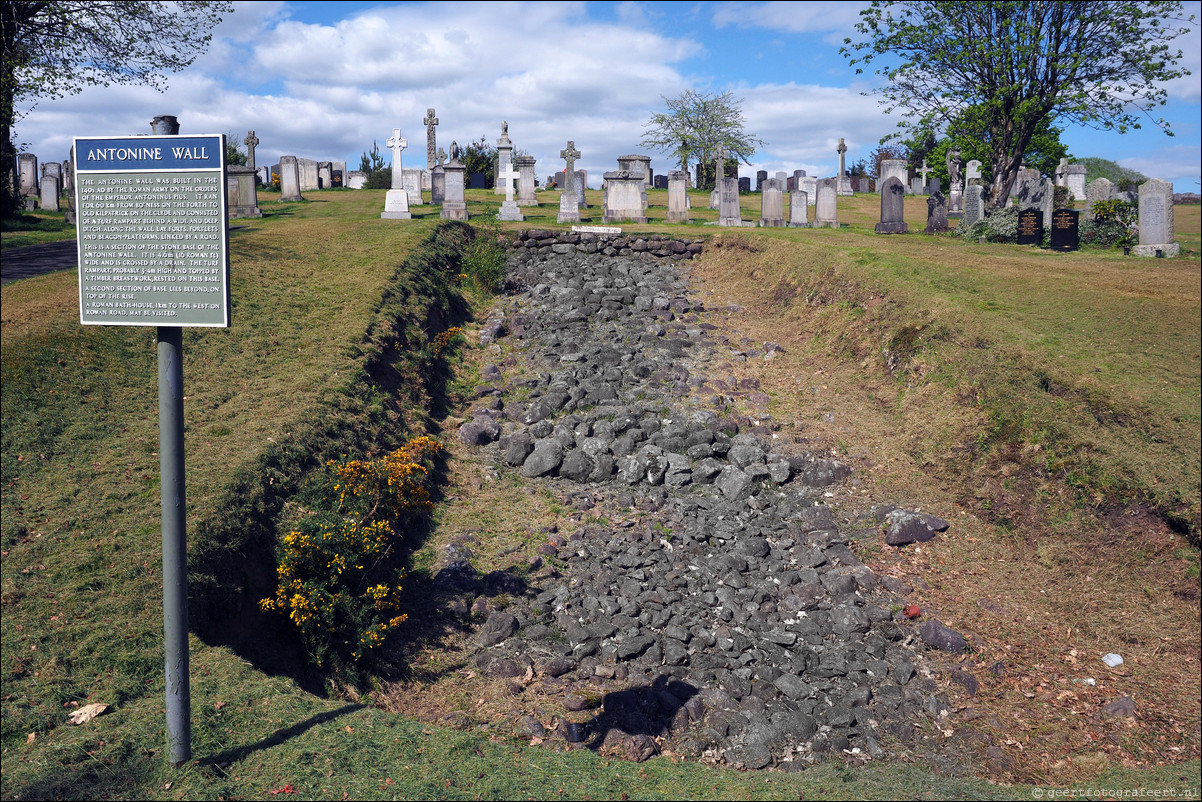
<point>320,329</point>
<point>35,228</point>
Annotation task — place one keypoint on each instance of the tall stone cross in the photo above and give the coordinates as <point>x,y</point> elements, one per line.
<point>570,155</point>
<point>442,156</point>
<point>509,176</point>
<point>719,164</point>
<point>923,172</point>
<point>397,145</point>
<point>251,142</point>
<point>842,151</point>
<point>430,122</point>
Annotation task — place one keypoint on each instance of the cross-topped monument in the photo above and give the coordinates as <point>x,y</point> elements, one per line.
<point>569,202</point>
<point>431,144</point>
<point>509,209</point>
<point>720,163</point>
<point>442,156</point>
<point>251,143</point>
<point>570,155</point>
<point>396,144</point>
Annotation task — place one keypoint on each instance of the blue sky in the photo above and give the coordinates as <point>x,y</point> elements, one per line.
<point>323,80</point>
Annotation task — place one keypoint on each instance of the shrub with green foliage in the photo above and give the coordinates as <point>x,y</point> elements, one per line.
<point>1111,224</point>
<point>1000,226</point>
<point>483,265</point>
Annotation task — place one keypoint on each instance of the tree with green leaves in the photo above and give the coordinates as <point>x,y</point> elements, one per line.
<point>480,157</point>
<point>55,48</point>
<point>379,175</point>
<point>696,123</point>
<point>969,134</point>
<point>1098,63</point>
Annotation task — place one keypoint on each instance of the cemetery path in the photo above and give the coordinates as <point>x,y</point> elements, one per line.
<point>34,260</point>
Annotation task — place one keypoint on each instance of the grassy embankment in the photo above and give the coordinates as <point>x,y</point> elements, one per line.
<point>80,564</point>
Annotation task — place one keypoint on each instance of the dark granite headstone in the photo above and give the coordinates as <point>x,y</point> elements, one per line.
<point>661,182</point>
<point>744,184</point>
<point>934,185</point>
<point>1030,227</point>
<point>476,181</point>
<point>760,177</point>
<point>1065,234</point>
<point>936,213</point>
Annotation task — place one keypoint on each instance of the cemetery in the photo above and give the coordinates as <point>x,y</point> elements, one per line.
<point>657,423</point>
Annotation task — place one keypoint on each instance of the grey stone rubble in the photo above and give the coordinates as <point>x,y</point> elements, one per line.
<point>731,622</point>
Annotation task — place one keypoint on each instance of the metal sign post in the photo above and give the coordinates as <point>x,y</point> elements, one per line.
<point>154,251</point>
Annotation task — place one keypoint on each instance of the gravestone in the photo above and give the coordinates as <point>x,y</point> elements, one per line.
<point>924,187</point>
<point>48,200</point>
<point>955,183</point>
<point>1066,230</point>
<point>661,181</point>
<point>936,213</point>
<point>55,169</point>
<point>624,196</point>
<point>760,177</point>
<point>411,177</point>
<point>791,184</point>
<point>509,210</point>
<point>28,166</point>
<point>826,210</point>
<point>396,201</point>
<point>798,175</point>
<point>431,123</point>
<point>892,168</point>
<point>454,202</point>
<point>1061,168</point>
<point>325,175</point>
<point>251,141</point>
<point>476,181</point>
<point>338,174</point>
<point>1030,227</point>
<point>438,185</point>
<point>893,208</point>
<point>729,211</point>
<point>781,177</point>
<point>973,171</point>
<point>581,185</point>
<point>242,192</point>
<point>290,179</point>
<point>308,174</point>
<point>744,184</point>
<point>504,157</point>
<point>1156,220</point>
<point>569,198</point>
<point>264,175</point>
<point>69,188</point>
<point>772,203</point>
<point>678,198</point>
<point>638,165</point>
<point>1074,179</point>
<point>917,186</point>
<point>863,184</point>
<point>809,186</point>
<point>527,191</point>
<point>844,186</point>
<point>974,204</point>
<point>934,185</point>
<point>356,179</point>
<point>1100,189</point>
<point>799,210</point>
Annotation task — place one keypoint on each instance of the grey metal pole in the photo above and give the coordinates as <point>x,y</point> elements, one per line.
<point>175,552</point>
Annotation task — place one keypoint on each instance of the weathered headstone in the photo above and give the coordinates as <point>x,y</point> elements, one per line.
<point>308,174</point>
<point>730,212</point>
<point>760,177</point>
<point>974,205</point>
<point>454,202</point>
<point>28,166</point>
<point>569,200</point>
<point>411,177</point>
<point>477,181</point>
<point>623,196</point>
<point>527,191</point>
<point>1074,180</point>
<point>638,165</point>
<point>678,198</point>
<point>431,123</point>
<point>290,179</point>
<point>744,183</point>
<point>1030,227</point>
<point>1156,220</point>
<point>338,174</point>
<point>325,175</point>
<point>917,186</point>
<point>438,185</point>
<point>923,171</point>
<point>799,210</point>
<point>936,213</point>
<point>48,200</point>
<point>509,208</point>
<point>892,168</point>
<point>251,141</point>
<point>844,186</point>
<point>356,179</point>
<point>396,201</point>
<point>1100,189</point>
<point>504,157</point>
<point>1065,234</point>
<point>661,180</point>
<point>973,171</point>
<point>955,183</point>
<point>809,186</point>
<point>772,203</point>
<point>826,210</point>
<point>893,208</point>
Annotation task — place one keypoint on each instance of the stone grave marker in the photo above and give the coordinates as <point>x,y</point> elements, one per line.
<point>290,179</point>
<point>799,210</point>
<point>1074,179</point>
<point>356,179</point>
<point>412,180</point>
<point>431,123</point>
<point>923,171</point>
<point>772,203</point>
<point>476,181</point>
<point>809,185</point>
<point>1030,227</point>
<point>438,184</point>
<point>974,205</point>
<point>730,212</point>
<point>973,170</point>
<point>893,168</point>
<point>744,184</point>
<point>504,157</point>
<point>1156,220</point>
<point>527,191</point>
<point>1100,189</point>
<point>893,208</point>
<point>454,202</point>
<point>48,200</point>
<point>826,210</point>
<point>28,167</point>
<point>917,186</point>
<point>844,186</point>
<point>760,177</point>
<point>308,174</point>
<point>325,175</point>
<point>396,201</point>
<point>661,181</point>
<point>509,210</point>
<point>569,198</point>
<point>1065,234</point>
<point>678,198</point>
<point>624,196</point>
<point>338,174</point>
<point>936,213</point>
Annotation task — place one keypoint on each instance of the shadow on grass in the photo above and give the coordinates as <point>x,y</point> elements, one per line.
<point>223,759</point>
